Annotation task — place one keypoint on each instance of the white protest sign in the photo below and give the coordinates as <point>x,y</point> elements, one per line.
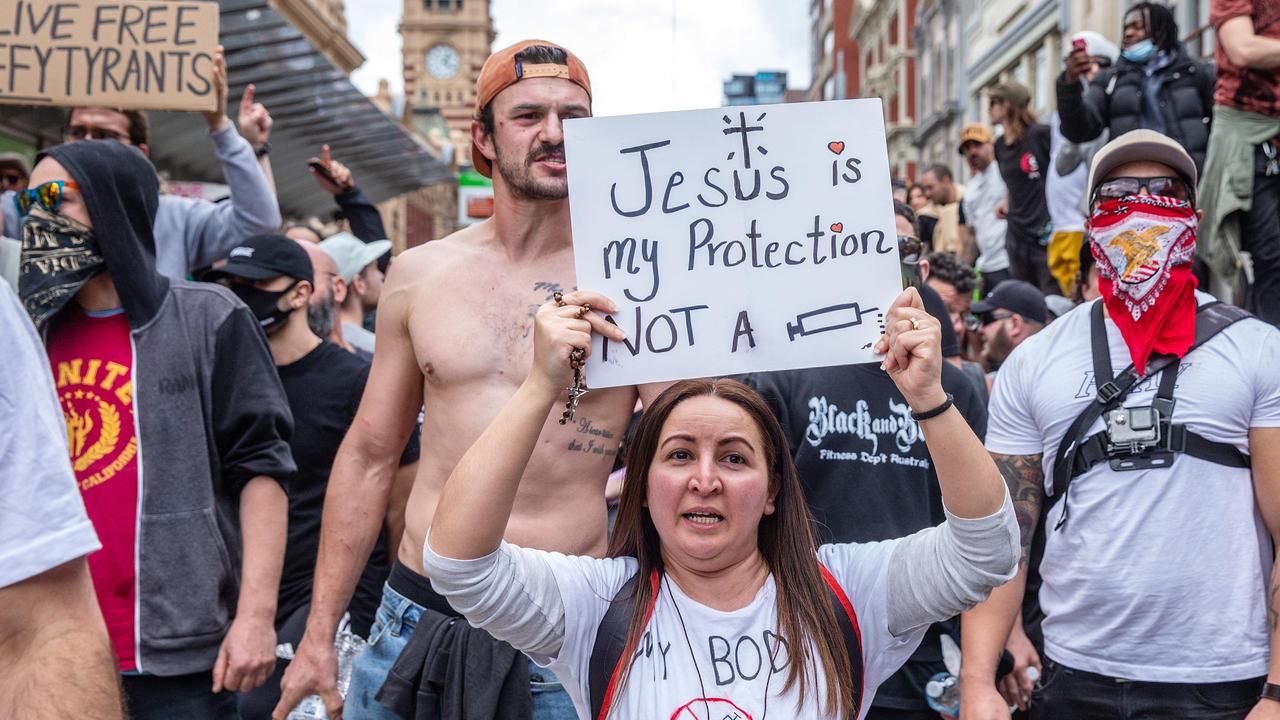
<point>734,240</point>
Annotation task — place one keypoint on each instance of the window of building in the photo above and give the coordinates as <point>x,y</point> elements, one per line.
<point>829,88</point>
<point>828,43</point>
<point>1019,73</point>
<point>1044,88</point>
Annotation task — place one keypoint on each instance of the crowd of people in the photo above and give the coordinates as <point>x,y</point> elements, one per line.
<point>209,461</point>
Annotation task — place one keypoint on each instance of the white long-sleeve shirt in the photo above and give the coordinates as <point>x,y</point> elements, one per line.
<point>696,662</point>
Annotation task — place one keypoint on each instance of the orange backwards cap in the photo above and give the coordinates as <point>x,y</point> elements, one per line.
<point>503,69</point>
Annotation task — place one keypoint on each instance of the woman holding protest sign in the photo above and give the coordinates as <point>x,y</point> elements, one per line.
<point>714,601</point>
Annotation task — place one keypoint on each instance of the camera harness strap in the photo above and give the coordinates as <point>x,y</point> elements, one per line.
<point>1076,454</point>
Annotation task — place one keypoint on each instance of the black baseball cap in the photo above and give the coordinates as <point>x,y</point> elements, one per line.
<point>1016,296</point>
<point>265,256</point>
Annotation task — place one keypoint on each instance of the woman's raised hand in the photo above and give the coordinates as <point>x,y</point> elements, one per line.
<point>912,346</point>
<point>562,329</point>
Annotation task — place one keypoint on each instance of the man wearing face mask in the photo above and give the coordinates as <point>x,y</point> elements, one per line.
<point>1140,434</point>
<point>178,434</point>
<point>1155,84</point>
<point>274,276</point>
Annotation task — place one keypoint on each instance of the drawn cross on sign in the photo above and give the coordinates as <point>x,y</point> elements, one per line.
<point>743,128</point>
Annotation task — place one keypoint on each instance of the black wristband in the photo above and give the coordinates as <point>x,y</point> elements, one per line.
<point>1270,691</point>
<point>264,150</point>
<point>935,412</point>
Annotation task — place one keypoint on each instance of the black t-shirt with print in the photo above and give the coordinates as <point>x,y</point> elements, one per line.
<point>867,473</point>
<point>1023,165</point>
<point>324,389</point>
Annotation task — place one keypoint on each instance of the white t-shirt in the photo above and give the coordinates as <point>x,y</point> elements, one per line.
<point>1158,575</point>
<point>983,192</point>
<point>691,652</point>
<point>1063,193</point>
<point>43,523</point>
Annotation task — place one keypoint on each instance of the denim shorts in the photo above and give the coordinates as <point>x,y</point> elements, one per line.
<point>393,625</point>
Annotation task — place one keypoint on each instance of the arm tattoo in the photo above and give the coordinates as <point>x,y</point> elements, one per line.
<point>1025,476</point>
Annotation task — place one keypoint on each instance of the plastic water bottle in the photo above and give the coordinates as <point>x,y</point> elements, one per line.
<point>348,645</point>
<point>943,693</point>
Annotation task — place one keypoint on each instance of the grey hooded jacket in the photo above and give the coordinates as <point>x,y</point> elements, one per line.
<point>210,414</point>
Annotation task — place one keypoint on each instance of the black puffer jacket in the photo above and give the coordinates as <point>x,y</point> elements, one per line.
<point>1114,102</point>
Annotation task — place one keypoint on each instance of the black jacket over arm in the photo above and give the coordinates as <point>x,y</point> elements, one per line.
<point>1114,102</point>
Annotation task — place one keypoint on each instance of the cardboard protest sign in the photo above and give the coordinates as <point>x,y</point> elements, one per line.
<point>130,54</point>
<point>734,240</point>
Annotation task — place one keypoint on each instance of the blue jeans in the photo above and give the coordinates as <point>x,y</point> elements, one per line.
<point>1064,693</point>
<point>550,701</point>
<point>393,625</point>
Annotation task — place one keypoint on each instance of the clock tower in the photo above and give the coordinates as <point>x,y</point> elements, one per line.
<point>445,44</point>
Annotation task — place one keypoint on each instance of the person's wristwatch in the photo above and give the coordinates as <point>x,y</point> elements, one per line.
<point>1270,691</point>
<point>263,150</point>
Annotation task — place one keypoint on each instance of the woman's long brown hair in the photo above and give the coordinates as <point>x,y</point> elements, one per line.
<point>805,616</point>
<point>1016,121</point>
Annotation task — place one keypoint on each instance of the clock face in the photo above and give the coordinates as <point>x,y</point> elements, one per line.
<point>442,62</point>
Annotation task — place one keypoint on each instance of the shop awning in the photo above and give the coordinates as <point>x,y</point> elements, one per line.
<point>311,101</point>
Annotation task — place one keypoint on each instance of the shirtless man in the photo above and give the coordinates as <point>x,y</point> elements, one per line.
<point>453,330</point>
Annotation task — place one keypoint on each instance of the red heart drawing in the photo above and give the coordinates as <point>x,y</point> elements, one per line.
<point>837,227</point>
<point>836,146</point>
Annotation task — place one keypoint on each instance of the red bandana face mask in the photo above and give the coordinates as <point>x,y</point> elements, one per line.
<point>1144,246</point>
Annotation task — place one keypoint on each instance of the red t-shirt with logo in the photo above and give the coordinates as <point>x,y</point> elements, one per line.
<point>92,362</point>
<point>1256,91</point>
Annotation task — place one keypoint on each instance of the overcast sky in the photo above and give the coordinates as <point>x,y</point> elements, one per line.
<point>643,55</point>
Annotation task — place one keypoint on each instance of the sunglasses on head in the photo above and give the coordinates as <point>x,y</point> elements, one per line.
<point>1163,185</point>
<point>48,195</point>
<point>910,248</point>
<point>80,132</point>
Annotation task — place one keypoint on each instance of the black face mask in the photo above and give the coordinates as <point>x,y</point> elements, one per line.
<point>59,255</point>
<point>264,304</point>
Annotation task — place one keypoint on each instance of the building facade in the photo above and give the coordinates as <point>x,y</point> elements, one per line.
<point>835,63</point>
<point>445,43</point>
<point>942,82</point>
<point>766,87</point>
<point>887,70</point>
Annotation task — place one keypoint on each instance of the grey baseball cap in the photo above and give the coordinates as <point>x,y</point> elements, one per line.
<point>353,254</point>
<point>1137,145</point>
<point>16,160</point>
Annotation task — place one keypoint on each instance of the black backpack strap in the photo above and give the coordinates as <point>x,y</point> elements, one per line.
<point>607,661</point>
<point>1076,453</point>
<point>847,619</point>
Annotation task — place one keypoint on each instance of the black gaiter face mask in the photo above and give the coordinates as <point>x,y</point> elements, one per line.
<point>264,304</point>
<point>59,255</point>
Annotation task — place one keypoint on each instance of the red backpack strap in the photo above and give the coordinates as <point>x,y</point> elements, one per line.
<point>607,655</point>
<point>847,619</point>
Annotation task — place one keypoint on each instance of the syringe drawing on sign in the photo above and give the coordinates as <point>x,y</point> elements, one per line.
<point>832,317</point>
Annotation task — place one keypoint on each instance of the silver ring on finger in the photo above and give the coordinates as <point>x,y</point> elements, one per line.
<point>915,324</point>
